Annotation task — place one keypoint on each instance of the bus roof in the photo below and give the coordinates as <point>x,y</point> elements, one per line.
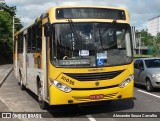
<point>55,7</point>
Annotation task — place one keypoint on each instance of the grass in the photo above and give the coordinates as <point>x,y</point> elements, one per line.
<point>143,56</point>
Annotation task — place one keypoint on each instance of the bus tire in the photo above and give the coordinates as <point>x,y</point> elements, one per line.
<point>109,101</point>
<point>21,81</point>
<point>43,105</point>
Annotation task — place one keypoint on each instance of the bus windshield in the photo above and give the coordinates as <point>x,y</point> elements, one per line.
<point>91,44</point>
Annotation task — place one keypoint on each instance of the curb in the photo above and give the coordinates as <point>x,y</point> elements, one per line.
<point>5,77</point>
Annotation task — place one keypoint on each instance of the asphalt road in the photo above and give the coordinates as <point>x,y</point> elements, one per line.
<point>12,99</point>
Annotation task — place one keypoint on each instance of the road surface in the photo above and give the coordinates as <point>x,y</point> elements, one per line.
<point>12,99</point>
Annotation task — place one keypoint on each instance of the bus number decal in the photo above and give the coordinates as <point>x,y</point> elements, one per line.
<point>68,80</point>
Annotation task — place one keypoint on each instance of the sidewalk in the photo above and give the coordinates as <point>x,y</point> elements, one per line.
<point>4,108</point>
<point>4,72</point>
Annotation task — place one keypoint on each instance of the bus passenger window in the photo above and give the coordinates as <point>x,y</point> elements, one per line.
<point>29,46</point>
<point>29,41</point>
<point>33,45</point>
<point>14,45</point>
<point>33,39</point>
<point>39,45</point>
<point>19,46</point>
<point>21,39</point>
<point>39,37</point>
<point>20,43</point>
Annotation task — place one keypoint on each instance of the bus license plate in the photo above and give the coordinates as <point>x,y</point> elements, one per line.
<point>98,96</point>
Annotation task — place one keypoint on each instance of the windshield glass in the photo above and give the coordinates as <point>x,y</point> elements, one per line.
<point>153,63</point>
<point>91,44</point>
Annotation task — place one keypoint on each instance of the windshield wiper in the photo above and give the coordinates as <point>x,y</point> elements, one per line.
<point>78,40</point>
<point>100,38</point>
<point>73,30</point>
<point>107,28</point>
<point>103,33</point>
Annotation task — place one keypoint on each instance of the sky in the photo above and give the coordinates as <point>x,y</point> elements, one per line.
<point>140,10</point>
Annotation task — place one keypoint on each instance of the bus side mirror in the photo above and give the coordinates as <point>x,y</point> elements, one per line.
<point>47,29</point>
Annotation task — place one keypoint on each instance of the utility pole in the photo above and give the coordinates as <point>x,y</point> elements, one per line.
<point>13,26</point>
<point>13,22</point>
<point>140,43</point>
<point>1,9</point>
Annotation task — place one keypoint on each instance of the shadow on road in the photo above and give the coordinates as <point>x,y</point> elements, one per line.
<point>87,108</point>
<point>140,86</point>
<point>157,90</point>
<point>93,108</point>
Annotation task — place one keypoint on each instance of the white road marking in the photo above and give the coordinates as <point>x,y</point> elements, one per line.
<point>148,93</point>
<point>90,118</point>
<point>8,107</point>
<point>6,104</point>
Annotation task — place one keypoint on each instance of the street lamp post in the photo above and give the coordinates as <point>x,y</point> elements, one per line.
<point>13,27</point>
<point>140,42</point>
<point>140,45</point>
<point>13,22</point>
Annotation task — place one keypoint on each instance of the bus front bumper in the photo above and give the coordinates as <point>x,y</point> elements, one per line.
<point>58,97</point>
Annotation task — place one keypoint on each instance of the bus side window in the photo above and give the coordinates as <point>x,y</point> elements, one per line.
<point>14,46</point>
<point>33,39</point>
<point>20,43</point>
<point>52,44</point>
<point>29,41</point>
<point>39,37</point>
<point>21,39</point>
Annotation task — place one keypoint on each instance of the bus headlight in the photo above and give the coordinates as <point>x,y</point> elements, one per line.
<point>126,82</point>
<point>61,86</point>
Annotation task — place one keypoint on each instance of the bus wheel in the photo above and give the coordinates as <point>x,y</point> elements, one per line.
<point>42,103</point>
<point>21,82</point>
<point>109,101</point>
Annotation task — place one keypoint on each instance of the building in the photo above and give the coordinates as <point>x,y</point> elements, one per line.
<point>153,26</point>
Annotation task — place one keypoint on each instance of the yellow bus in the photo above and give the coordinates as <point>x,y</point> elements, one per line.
<point>76,54</point>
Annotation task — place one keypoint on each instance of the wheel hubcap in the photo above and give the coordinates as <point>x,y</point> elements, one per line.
<point>148,86</point>
<point>20,81</point>
<point>40,94</point>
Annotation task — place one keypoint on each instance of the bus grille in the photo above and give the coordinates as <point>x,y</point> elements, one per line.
<point>94,76</point>
<point>87,98</point>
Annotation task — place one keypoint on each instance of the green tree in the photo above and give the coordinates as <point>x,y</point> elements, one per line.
<point>153,42</point>
<point>146,38</point>
<point>156,45</point>
<point>6,43</point>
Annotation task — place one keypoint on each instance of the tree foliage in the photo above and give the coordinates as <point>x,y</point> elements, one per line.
<point>6,24</point>
<point>146,38</point>
<point>153,42</point>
